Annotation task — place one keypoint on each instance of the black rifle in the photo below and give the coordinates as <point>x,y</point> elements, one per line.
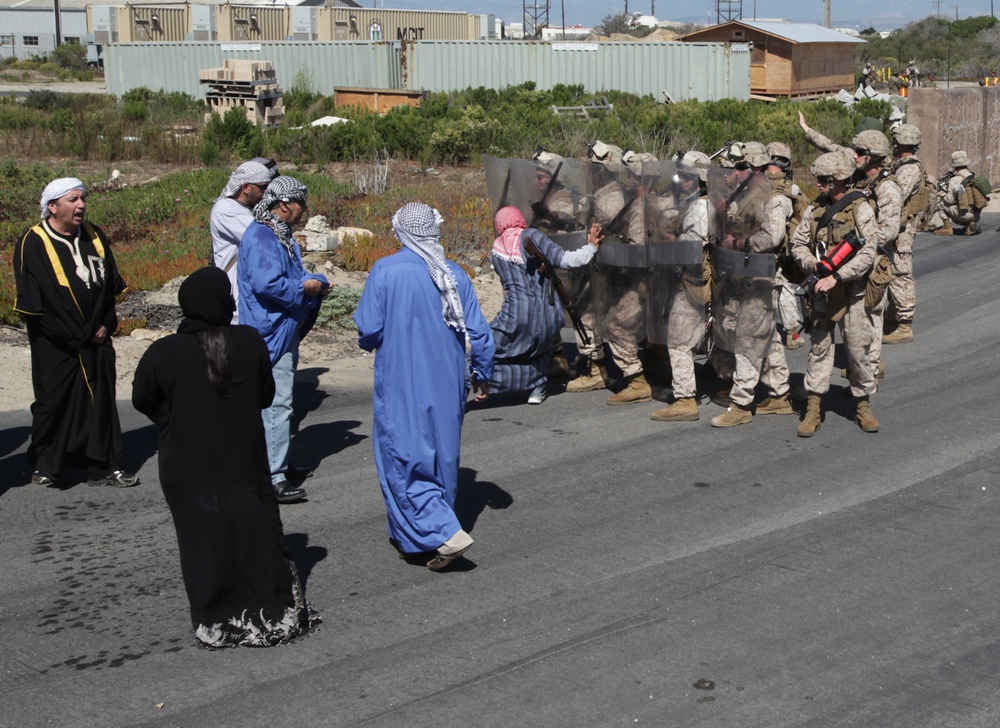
<point>537,208</point>
<point>545,269</point>
<point>724,148</point>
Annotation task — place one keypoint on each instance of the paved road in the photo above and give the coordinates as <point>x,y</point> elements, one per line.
<point>846,580</point>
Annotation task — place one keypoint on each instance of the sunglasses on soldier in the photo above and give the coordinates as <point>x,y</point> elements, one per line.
<point>825,180</point>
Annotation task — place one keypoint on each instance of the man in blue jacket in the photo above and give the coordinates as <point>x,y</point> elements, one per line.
<point>280,300</point>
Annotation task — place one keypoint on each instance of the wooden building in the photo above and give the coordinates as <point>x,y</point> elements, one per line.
<point>789,59</point>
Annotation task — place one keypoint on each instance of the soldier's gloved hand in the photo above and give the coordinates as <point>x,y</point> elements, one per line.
<point>539,208</point>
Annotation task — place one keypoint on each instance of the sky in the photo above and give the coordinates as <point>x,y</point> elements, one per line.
<point>847,13</point>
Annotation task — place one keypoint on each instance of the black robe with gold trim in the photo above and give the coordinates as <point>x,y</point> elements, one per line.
<point>74,417</point>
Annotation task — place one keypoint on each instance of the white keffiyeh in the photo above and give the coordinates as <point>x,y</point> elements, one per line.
<point>58,188</point>
<point>418,227</point>
<point>248,173</point>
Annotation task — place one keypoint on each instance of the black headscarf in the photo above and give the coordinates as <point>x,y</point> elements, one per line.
<point>206,300</point>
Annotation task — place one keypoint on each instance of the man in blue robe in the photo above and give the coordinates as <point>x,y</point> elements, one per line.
<point>417,311</point>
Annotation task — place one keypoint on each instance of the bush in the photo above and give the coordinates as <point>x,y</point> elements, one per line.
<point>233,135</point>
<point>338,307</point>
<point>70,56</point>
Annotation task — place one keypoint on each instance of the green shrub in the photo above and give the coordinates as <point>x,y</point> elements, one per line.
<point>234,135</point>
<point>338,307</point>
<point>70,56</point>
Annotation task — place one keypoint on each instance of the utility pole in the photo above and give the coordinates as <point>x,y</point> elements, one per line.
<point>55,4</point>
<point>826,14</point>
<point>937,8</point>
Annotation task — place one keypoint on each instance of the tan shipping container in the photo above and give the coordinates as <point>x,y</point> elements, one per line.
<point>375,25</point>
<point>252,23</point>
<point>153,23</point>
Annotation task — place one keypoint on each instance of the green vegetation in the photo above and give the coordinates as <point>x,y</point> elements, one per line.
<point>67,62</point>
<point>971,46</point>
<point>159,231</point>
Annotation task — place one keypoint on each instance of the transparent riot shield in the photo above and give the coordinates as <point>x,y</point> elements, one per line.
<point>743,301</point>
<point>676,213</point>
<point>553,196</point>
<point>620,270</point>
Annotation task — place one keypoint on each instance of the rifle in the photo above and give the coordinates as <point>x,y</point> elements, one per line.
<point>831,262</point>
<point>545,269</point>
<point>724,148</point>
<point>539,206</point>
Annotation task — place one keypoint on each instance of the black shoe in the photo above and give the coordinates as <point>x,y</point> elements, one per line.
<point>38,479</point>
<point>115,479</point>
<point>287,493</point>
<point>297,474</point>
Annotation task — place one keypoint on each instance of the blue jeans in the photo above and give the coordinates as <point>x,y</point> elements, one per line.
<point>278,417</point>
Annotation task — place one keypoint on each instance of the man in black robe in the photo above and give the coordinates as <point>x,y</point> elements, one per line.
<point>66,286</point>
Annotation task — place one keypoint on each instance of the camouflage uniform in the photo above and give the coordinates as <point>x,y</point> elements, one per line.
<point>954,203</point>
<point>910,174</point>
<point>743,313</point>
<point>686,321</point>
<point>687,314</point>
<point>626,321</point>
<point>888,197</point>
<point>856,327</point>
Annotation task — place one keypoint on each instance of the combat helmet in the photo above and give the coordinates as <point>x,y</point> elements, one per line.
<point>604,153</point>
<point>907,135</point>
<point>695,163</point>
<point>781,155</point>
<point>633,160</point>
<point>732,156</point>
<point>959,159</point>
<point>866,123</point>
<point>873,142</point>
<point>833,164</point>
<point>756,154</point>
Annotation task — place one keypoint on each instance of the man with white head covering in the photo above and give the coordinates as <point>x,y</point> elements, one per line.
<point>280,300</point>
<point>232,213</point>
<point>417,312</point>
<point>67,281</point>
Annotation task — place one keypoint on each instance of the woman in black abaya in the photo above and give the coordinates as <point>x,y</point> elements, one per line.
<point>204,387</point>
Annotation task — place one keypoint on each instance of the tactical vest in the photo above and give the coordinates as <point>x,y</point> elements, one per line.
<point>782,185</point>
<point>837,229</point>
<point>920,197</point>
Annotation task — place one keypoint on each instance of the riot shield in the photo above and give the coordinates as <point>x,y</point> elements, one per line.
<point>743,301</point>
<point>552,195</point>
<point>619,272</point>
<point>677,229</point>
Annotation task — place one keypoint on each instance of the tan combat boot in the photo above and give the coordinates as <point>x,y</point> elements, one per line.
<point>902,335</point>
<point>734,415</point>
<point>946,230</point>
<point>775,406</point>
<point>864,417</point>
<point>558,366</point>
<point>592,376</point>
<point>794,340</point>
<point>810,423</point>
<point>638,390</point>
<point>682,410</point>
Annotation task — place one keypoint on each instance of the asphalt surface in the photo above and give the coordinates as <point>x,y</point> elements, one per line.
<point>625,572</point>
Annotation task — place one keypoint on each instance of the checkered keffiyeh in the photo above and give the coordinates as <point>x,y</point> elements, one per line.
<point>418,227</point>
<point>248,173</point>
<point>509,223</point>
<point>282,189</point>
